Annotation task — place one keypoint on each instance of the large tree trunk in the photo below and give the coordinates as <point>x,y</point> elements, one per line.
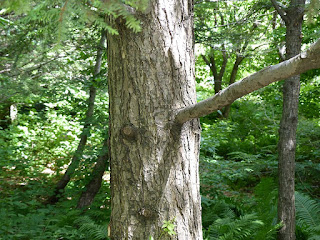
<point>154,129</point>
<point>288,125</point>
<point>85,132</point>
<point>154,163</point>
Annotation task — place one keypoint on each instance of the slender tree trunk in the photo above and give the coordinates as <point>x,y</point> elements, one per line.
<point>240,55</point>
<point>154,163</point>
<point>233,76</point>
<point>85,132</point>
<point>92,188</point>
<point>5,115</point>
<point>288,125</point>
<point>211,62</point>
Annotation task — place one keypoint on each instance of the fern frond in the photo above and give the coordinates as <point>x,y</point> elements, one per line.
<point>316,237</point>
<point>235,229</point>
<point>308,210</point>
<point>91,229</point>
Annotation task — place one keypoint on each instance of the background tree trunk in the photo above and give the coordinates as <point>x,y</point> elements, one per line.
<point>233,76</point>
<point>288,125</point>
<point>211,63</point>
<point>92,188</point>
<point>86,129</point>
<point>154,163</point>
<point>4,115</point>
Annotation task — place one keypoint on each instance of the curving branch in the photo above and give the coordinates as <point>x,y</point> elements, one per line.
<point>280,10</point>
<point>301,63</point>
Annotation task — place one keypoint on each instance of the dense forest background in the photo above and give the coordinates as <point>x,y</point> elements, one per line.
<point>54,109</point>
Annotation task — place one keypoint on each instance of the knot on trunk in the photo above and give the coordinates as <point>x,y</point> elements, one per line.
<point>129,132</point>
<point>147,213</point>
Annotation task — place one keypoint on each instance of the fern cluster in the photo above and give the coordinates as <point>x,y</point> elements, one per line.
<point>91,229</point>
<point>308,216</point>
<point>221,221</point>
<point>30,219</point>
<point>224,219</point>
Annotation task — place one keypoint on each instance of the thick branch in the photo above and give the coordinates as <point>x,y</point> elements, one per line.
<point>301,63</point>
<point>281,12</point>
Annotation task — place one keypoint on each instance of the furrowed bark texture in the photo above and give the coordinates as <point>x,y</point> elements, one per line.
<point>85,132</point>
<point>288,125</point>
<point>154,163</point>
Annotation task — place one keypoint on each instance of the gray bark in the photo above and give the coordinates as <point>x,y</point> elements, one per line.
<point>85,132</point>
<point>154,163</point>
<point>293,18</point>
<point>154,130</point>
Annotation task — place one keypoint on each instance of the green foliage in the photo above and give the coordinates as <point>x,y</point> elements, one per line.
<point>91,229</point>
<point>228,34</point>
<point>168,227</point>
<point>68,14</point>
<point>313,10</point>
<point>236,153</point>
<point>26,218</point>
<point>229,228</point>
<point>308,215</point>
<point>229,177</point>
<point>223,219</point>
<point>308,138</point>
<point>39,141</point>
<point>252,128</point>
<point>266,208</point>
<point>253,218</point>
<point>218,22</point>
<point>29,219</point>
<point>214,209</point>
<point>309,102</point>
